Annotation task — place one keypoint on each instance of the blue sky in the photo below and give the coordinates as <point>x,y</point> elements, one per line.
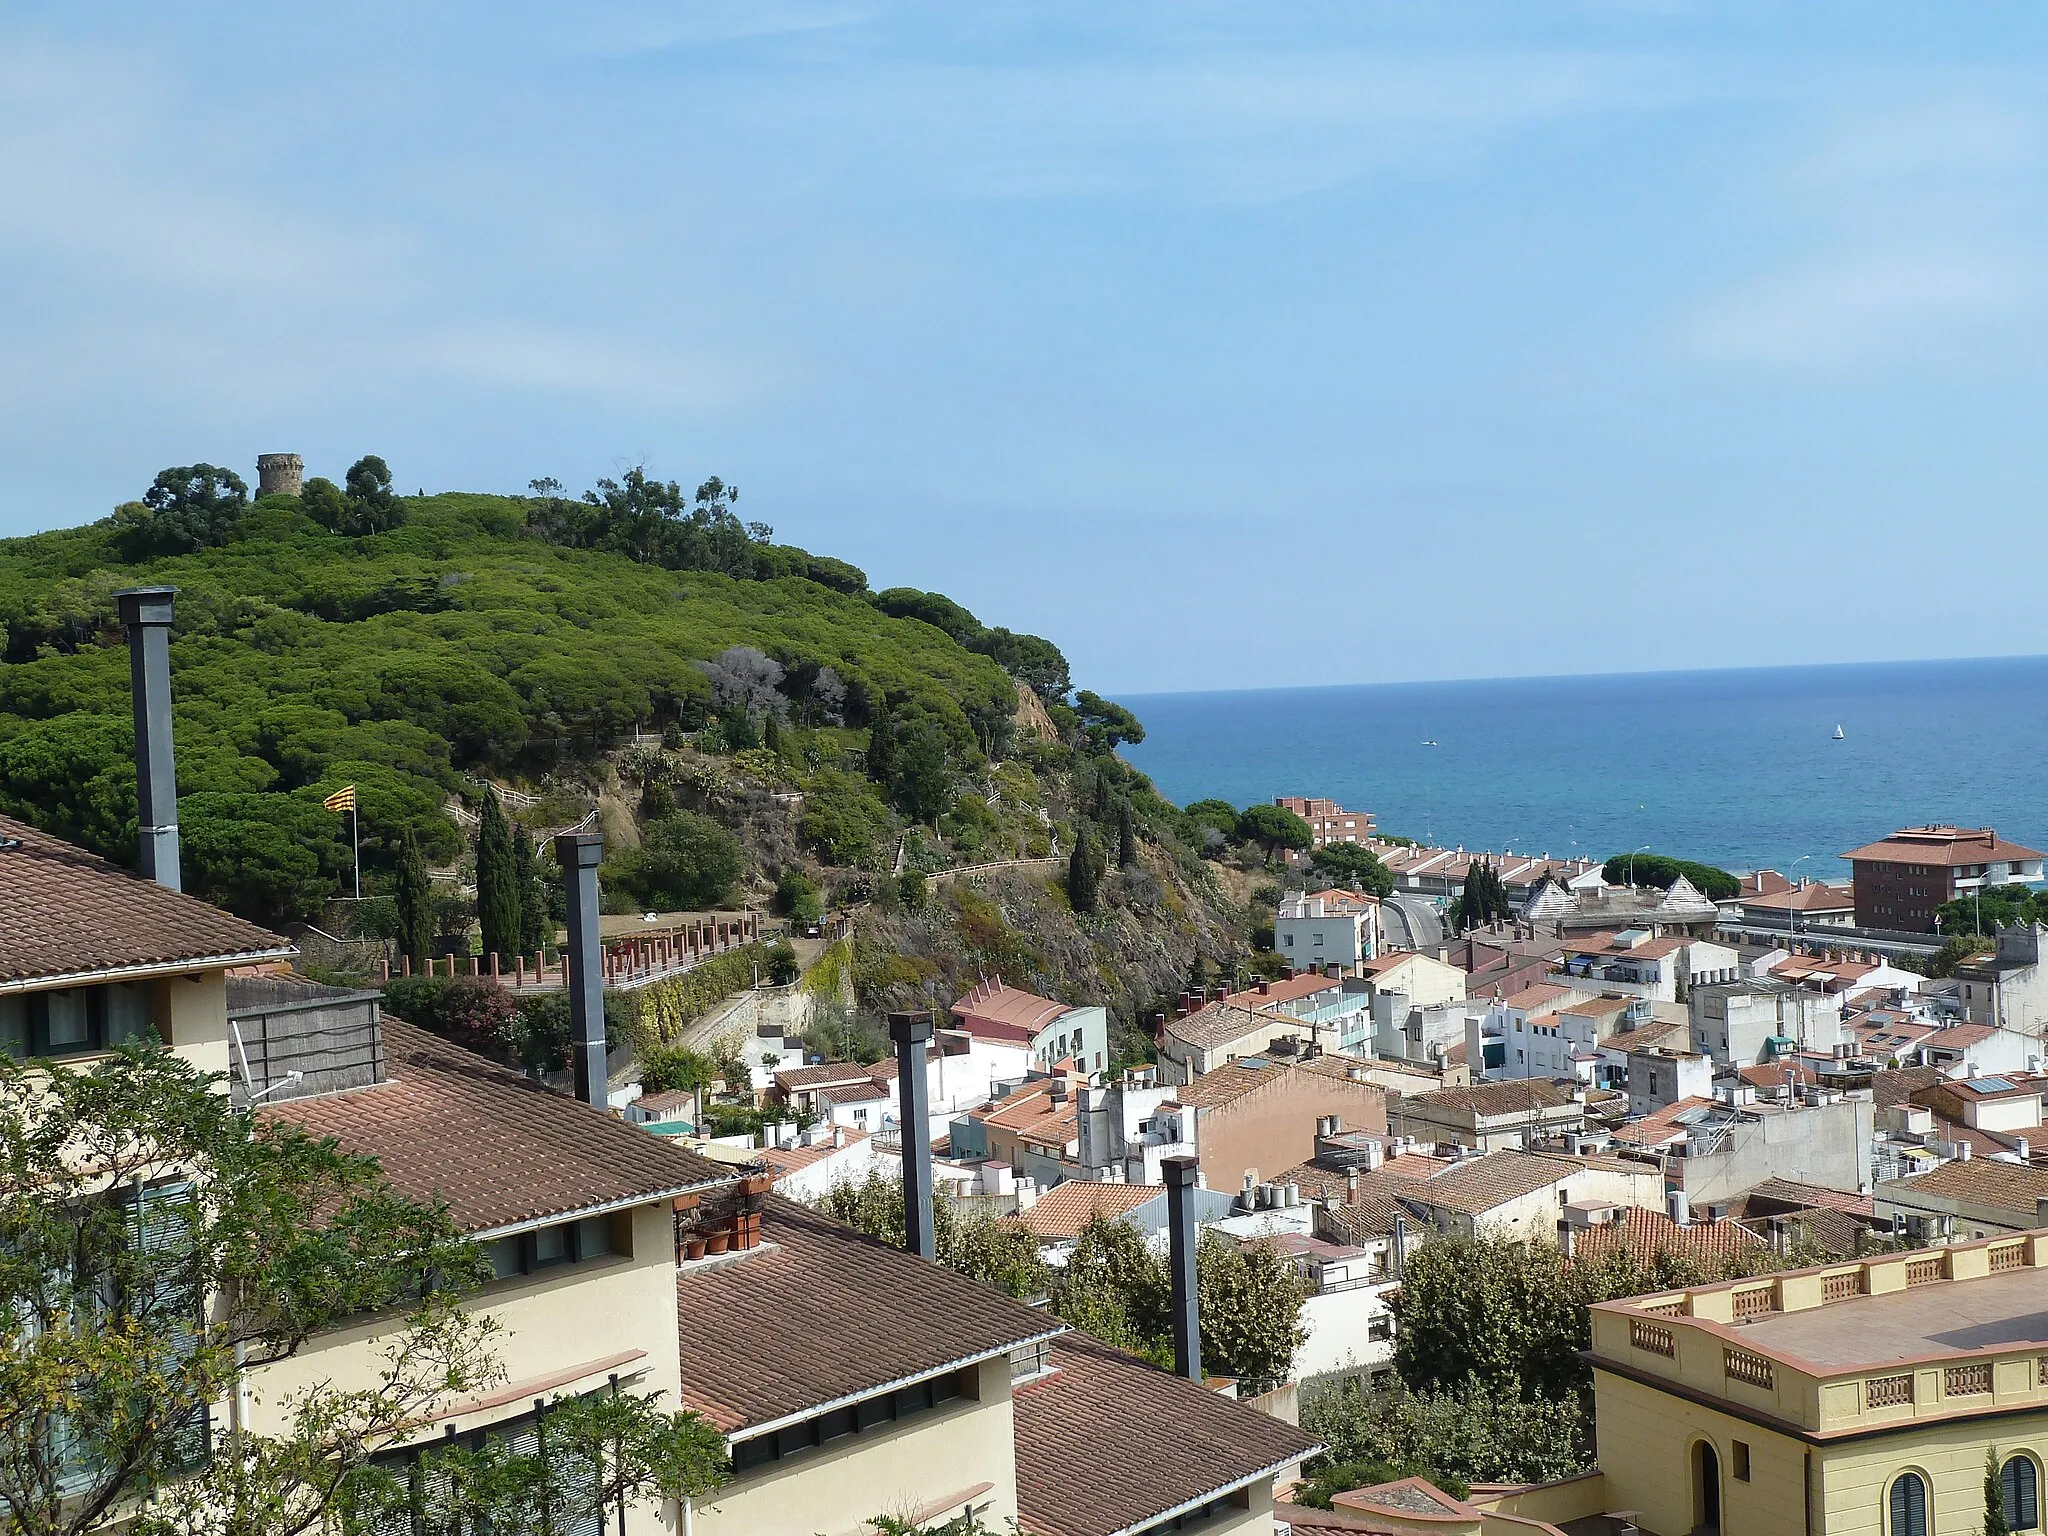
<point>1225,344</point>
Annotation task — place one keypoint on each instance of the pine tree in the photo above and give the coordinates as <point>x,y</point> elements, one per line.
<point>415,909</point>
<point>1083,878</point>
<point>497,880</point>
<point>771,733</point>
<point>1126,834</point>
<point>533,901</point>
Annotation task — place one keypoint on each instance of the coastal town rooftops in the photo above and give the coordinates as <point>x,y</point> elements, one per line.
<point>1107,1445</point>
<point>1477,1185</point>
<point>1516,1096</point>
<point>1066,1209</point>
<point>1217,1024</point>
<point>1810,896</point>
<point>502,1150</point>
<point>819,1316</point>
<point>1943,845</point>
<point>1269,995</point>
<point>2017,1188</point>
<point>66,914</point>
<point>997,1011</point>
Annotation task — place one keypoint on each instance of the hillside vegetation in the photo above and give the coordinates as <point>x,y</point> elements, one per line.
<point>738,716</point>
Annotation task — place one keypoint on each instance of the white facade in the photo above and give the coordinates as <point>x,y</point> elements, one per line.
<point>1125,1129</point>
<point>1737,1023</point>
<point>1329,928</point>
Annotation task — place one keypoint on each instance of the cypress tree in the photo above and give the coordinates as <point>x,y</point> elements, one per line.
<point>771,733</point>
<point>497,880</point>
<point>1083,879</point>
<point>415,912</point>
<point>882,748</point>
<point>1997,1518</point>
<point>1126,835</point>
<point>533,901</point>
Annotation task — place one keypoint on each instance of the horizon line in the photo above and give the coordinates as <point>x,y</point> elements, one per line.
<point>1550,677</point>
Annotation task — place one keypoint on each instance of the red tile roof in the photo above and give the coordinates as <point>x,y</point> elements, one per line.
<point>995,1011</point>
<point>1648,1233</point>
<point>498,1147</point>
<point>1289,991</point>
<point>1107,1444</point>
<point>820,1314</point>
<point>1943,845</point>
<point>65,912</point>
<point>1064,1210</point>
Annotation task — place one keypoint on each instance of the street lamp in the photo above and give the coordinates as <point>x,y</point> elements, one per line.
<point>1632,864</point>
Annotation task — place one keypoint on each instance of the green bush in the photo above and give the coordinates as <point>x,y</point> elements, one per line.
<point>685,862</point>
<point>1655,869</point>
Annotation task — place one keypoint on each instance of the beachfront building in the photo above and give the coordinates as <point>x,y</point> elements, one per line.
<point>1857,1398</point>
<point>1901,880</point>
<point>1328,822</point>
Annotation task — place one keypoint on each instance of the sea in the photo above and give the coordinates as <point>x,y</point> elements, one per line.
<point>1740,768</point>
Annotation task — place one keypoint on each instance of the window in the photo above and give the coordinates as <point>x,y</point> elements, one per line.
<point>566,1242</point>
<point>2019,1486</point>
<point>431,1494</point>
<point>855,1419</point>
<point>75,1021</point>
<point>1741,1460</point>
<point>1907,1506</point>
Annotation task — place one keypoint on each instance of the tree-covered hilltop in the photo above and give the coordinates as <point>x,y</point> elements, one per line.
<point>413,645</point>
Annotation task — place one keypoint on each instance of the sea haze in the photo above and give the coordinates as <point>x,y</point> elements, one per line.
<point>1739,768</point>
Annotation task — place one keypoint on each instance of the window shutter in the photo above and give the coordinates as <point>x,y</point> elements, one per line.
<point>171,1302</point>
<point>1908,1506</point>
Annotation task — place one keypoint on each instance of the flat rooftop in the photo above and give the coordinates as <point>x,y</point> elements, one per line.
<point>1991,1311</point>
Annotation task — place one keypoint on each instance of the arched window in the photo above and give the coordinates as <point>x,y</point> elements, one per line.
<point>1908,1506</point>
<point>2020,1485</point>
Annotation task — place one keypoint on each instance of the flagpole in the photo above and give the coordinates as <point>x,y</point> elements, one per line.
<point>355,837</point>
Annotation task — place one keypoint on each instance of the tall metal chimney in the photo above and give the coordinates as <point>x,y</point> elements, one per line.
<point>912,1032</point>
<point>146,615</point>
<point>1182,1240</point>
<point>579,854</point>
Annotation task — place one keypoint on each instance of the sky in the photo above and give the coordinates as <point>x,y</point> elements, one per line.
<point>1226,345</point>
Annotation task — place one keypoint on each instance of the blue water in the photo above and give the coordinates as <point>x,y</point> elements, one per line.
<point>1738,768</point>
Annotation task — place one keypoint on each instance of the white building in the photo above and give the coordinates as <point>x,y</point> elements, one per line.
<point>1127,1127</point>
<point>1340,928</point>
<point>1742,1023</point>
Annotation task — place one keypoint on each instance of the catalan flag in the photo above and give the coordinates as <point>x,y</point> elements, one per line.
<point>341,799</point>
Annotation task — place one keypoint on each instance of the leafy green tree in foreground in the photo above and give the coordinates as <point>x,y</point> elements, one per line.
<point>1458,1436</point>
<point>131,1195</point>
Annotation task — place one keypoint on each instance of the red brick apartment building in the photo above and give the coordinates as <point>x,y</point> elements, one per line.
<point>1328,821</point>
<point>1900,881</point>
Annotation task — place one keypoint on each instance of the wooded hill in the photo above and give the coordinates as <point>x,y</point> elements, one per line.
<point>419,646</point>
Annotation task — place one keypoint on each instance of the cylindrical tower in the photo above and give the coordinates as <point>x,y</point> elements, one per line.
<point>279,474</point>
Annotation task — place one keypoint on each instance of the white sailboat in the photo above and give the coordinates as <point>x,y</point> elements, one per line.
<point>1838,733</point>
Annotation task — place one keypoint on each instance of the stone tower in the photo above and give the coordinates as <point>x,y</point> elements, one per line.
<point>279,474</point>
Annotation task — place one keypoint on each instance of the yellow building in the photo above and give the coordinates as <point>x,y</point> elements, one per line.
<point>1853,1399</point>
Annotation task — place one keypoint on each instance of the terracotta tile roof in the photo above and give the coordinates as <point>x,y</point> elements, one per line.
<point>1660,1125</point>
<point>825,1074</point>
<point>1943,845</point>
<point>820,1314</point>
<point>662,1103</point>
<point>2012,1187</point>
<point>1056,1129</point>
<point>1479,1184</point>
<point>65,912</point>
<point>499,1148</point>
<point>1278,992</point>
<point>1648,1233</point>
<point>863,1092</point>
<point>1538,998</point>
<point>1220,1024</point>
<point>1511,1097</point>
<point>1065,1209</point>
<point>783,1161</point>
<point>1024,1107</point>
<point>1898,1087</point>
<point>1001,1012</point>
<point>1794,1194</point>
<point>1305,1520</point>
<point>1105,1443</point>
<point>1840,1233</point>
<point>1811,897</point>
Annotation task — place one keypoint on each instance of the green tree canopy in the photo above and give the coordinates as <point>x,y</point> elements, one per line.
<point>1354,864</point>
<point>685,861</point>
<point>1274,828</point>
<point>1655,869</point>
<point>497,879</point>
<point>1106,725</point>
<point>192,507</point>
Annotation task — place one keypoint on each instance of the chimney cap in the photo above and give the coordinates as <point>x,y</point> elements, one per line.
<point>145,605</point>
<point>579,850</point>
<point>1178,1172</point>
<point>909,1028</point>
